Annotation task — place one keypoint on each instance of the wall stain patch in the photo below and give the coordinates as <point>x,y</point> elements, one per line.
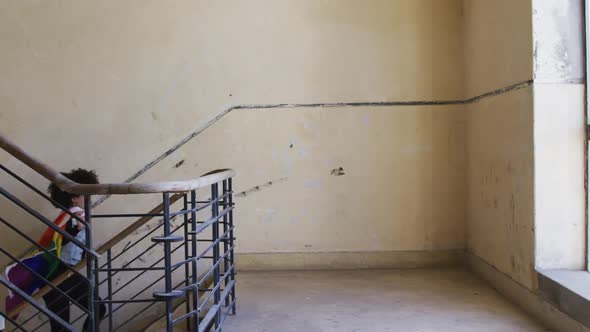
<point>260,187</point>
<point>178,164</point>
<point>337,172</point>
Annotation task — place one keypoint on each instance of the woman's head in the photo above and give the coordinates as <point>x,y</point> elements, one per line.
<point>70,200</point>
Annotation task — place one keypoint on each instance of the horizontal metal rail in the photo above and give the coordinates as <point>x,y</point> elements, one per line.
<point>126,215</point>
<point>216,287</point>
<point>204,324</point>
<point>127,248</point>
<point>211,270</point>
<point>211,221</point>
<point>192,259</point>
<point>133,269</point>
<point>140,274</point>
<point>137,256</point>
<point>205,205</point>
<point>143,310</point>
<point>130,301</point>
<point>227,312</point>
<point>72,187</point>
<point>211,246</point>
<point>185,316</point>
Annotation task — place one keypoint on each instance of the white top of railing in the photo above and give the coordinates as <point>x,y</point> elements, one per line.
<point>70,186</point>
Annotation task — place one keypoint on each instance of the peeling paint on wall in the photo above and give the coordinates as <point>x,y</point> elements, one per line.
<point>259,187</point>
<point>558,41</point>
<point>338,172</point>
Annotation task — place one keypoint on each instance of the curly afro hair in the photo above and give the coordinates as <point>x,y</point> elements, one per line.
<point>77,175</point>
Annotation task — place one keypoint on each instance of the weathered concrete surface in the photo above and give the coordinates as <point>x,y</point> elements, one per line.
<point>497,40</point>
<point>499,206</point>
<point>444,300</point>
<point>558,33</point>
<point>500,209</point>
<point>569,290</point>
<point>560,218</point>
<point>528,300</point>
<point>560,138</point>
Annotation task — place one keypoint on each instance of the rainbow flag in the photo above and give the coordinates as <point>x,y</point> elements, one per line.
<point>41,262</point>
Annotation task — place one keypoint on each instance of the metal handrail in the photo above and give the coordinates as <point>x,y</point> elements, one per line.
<point>72,187</point>
<point>221,248</point>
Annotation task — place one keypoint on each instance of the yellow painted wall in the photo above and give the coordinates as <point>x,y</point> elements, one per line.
<point>500,210</point>
<point>498,43</point>
<point>111,86</point>
<point>500,161</point>
<point>525,148</point>
<point>401,186</point>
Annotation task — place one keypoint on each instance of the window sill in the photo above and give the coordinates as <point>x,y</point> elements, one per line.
<point>569,290</point>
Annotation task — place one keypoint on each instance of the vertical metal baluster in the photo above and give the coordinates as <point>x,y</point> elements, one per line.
<point>195,277</point>
<point>96,296</point>
<point>231,243</point>
<point>186,256</point>
<point>215,232</point>
<point>92,288</point>
<point>110,287</point>
<point>225,241</point>
<point>167,262</point>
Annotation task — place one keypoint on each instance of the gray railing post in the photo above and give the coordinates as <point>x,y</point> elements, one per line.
<point>167,263</point>
<point>231,244</point>
<point>90,273</point>
<point>187,304</point>
<point>215,237</point>
<point>225,241</point>
<point>110,287</point>
<point>195,277</point>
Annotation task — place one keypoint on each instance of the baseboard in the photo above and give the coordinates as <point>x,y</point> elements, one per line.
<point>349,260</point>
<point>530,301</point>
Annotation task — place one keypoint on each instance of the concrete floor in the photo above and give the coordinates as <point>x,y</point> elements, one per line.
<point>438,300</point>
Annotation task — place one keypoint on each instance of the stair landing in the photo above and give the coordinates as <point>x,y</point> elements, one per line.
<point>421,300</point>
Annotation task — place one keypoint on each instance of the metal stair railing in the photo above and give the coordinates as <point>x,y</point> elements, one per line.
<point>208,296</point>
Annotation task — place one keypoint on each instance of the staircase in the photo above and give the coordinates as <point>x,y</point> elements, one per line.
<point>171,269</point>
